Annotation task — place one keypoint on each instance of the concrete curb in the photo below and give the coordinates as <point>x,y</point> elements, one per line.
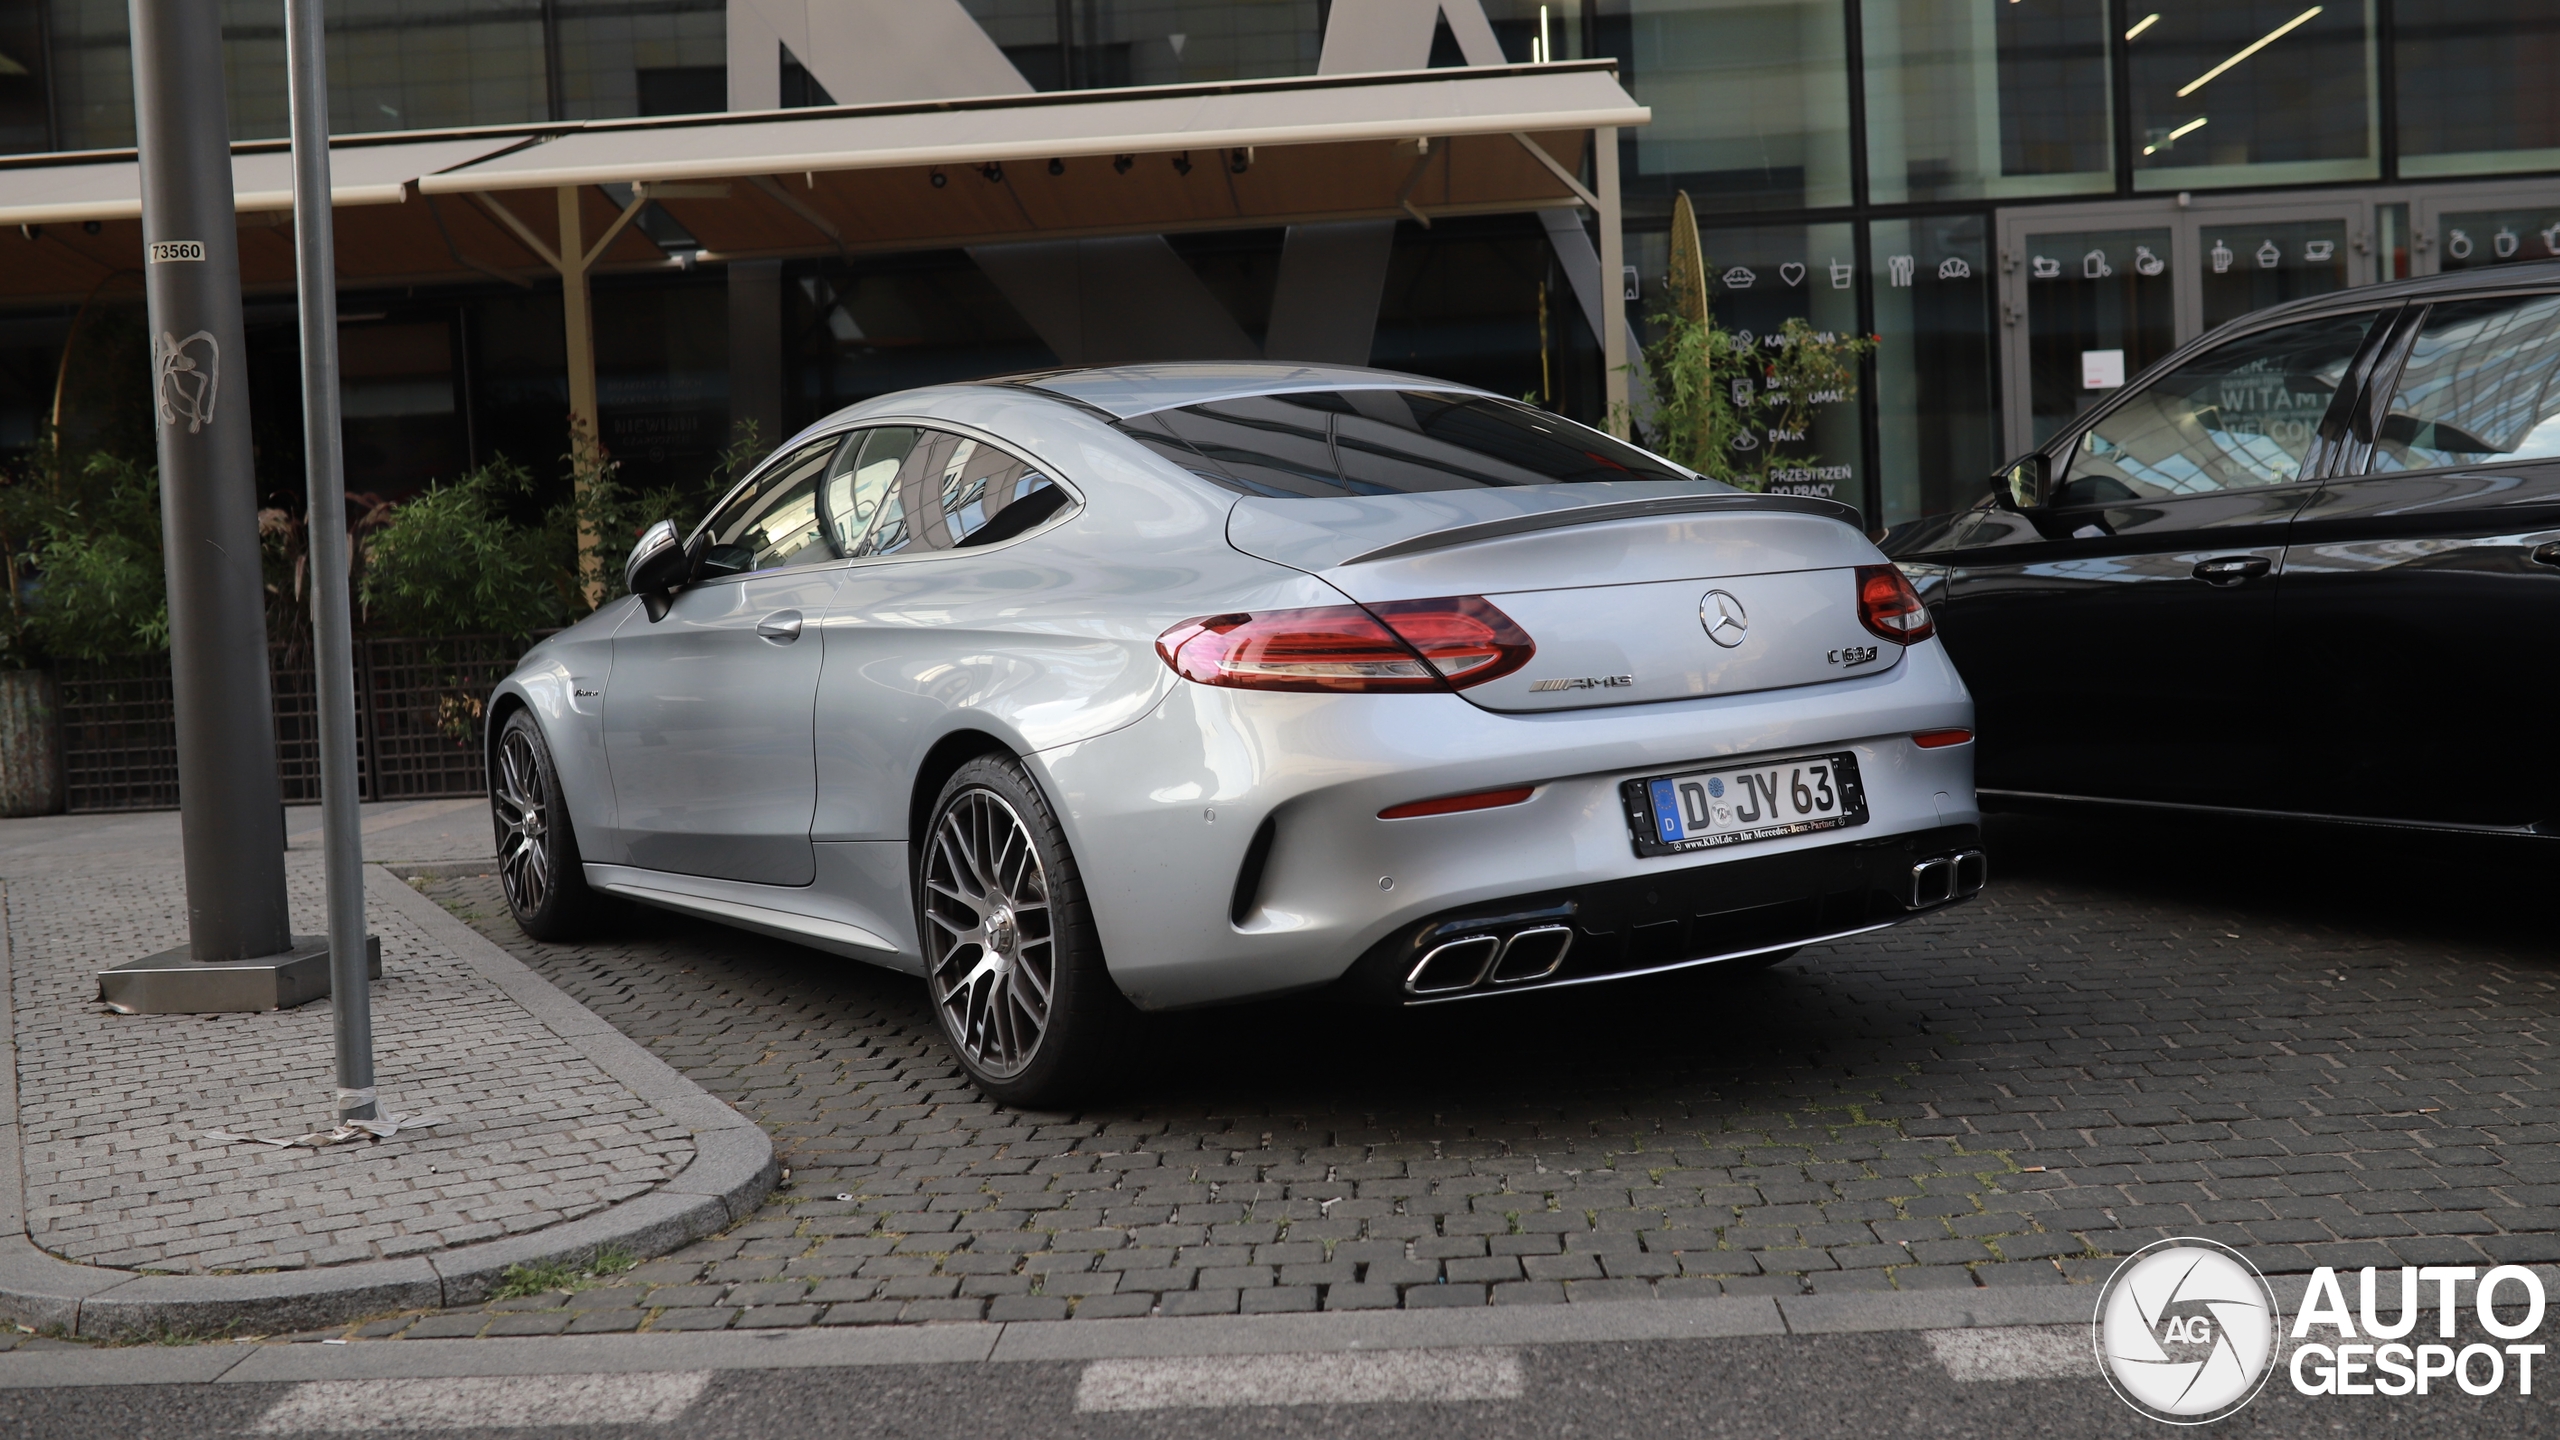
<point>732,1170</point>
<point>1062,1341</point>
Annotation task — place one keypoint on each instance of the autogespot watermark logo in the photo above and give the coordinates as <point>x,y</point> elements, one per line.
<point>2186,1331</point>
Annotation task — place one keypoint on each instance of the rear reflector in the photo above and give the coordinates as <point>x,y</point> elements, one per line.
<point>1890,608</point>
<point>1940,739</point>
<point>1407,645</point>
<point>1453,804</point>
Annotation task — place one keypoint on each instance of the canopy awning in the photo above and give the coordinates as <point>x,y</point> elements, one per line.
<point>427,208</point>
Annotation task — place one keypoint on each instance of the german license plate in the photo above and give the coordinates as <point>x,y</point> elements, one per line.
<point>1707,809</point>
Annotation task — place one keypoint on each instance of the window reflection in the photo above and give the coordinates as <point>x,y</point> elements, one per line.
<point>1750,102</point>
<point>1933,365</point>
<point>1966,100</point>
<point>1152,42</point>
<point>2241,92</point>
<point>2481,385</point>
<point>2242,414</point>
<point>2475,82</point>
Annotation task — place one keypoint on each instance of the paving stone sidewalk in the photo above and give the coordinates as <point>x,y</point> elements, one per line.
<point>2132,1034</point>
<point>113,1108</point>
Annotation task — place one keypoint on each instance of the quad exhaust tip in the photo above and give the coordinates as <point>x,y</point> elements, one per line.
<point>1948,877</point>
<point>1473,960</point>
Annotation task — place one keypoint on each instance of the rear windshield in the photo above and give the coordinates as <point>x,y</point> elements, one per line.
<point>1386,442</point>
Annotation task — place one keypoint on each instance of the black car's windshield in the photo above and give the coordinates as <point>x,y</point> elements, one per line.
<point>1386,442</point>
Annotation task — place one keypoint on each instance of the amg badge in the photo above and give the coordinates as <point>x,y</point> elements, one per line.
<point>1586,682</point>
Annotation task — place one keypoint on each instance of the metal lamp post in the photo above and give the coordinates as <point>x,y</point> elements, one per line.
<point>241,953</point>
<point>341,822</point>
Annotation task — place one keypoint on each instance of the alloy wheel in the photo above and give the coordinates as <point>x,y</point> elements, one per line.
<point>990,948</point>
<point>524,839</point>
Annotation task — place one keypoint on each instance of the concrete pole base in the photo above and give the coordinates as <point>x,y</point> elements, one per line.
<point>174,982</point>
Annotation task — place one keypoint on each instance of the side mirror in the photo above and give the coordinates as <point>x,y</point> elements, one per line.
<point>2025,483</point>
<point>657,563</point>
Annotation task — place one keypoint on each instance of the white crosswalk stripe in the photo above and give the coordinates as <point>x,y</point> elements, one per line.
<point>1376,1377</point>
<point>2015,1352</point>
<point>514,1402</point>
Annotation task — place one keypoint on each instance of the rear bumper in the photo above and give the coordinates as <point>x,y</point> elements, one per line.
<point>1163,814</point>
<point>1672,919</point>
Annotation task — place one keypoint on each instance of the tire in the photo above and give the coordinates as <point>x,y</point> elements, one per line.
<point>1012,964</point>
<point>538,862</point>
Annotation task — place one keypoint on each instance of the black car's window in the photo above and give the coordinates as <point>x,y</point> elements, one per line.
<point>2481,385</point>
<point>1384,442</point>
<point>859,478</point>
<point>952,492</point>
<point>772,522</point>
<point>2242,414</point>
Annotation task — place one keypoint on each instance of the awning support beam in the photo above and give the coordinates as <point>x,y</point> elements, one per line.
<point>586,450</point>
<point>793,203</point>
<point>1404,197</point>
<point>1613,285</point>
<point>1572,181</point>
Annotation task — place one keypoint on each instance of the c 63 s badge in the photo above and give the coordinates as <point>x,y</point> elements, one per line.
<point>1852,655</point>
<point>1584,682</point>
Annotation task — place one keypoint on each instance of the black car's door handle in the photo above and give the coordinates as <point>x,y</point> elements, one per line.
<point>2231,569</point>
<point>781,627</point>
<point>2547,553</point>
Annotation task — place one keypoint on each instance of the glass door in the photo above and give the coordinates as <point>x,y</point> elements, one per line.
<point>2472,228</point>
<point>2088,298</point>
<point>2092,294</point>
<point>2248,254</point>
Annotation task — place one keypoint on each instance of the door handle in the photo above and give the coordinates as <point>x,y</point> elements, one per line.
<point>2547,553</point>
<point>781,627</point>
<point>2231,569</point>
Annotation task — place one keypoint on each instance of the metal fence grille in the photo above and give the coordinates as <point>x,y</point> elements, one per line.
<point>419,710</point>
<point>119,735</point>
<point>423,704</point>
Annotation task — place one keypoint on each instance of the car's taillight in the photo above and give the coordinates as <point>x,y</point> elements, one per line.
<point>1465,637</point>
<point>1402,645</point>
<point>1889,607</point>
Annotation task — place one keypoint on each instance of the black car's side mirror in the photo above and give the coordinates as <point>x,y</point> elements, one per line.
<point>657,565</point>
<point>2025,483</point>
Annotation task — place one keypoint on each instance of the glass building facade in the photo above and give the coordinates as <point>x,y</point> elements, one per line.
<point>2024,201</point>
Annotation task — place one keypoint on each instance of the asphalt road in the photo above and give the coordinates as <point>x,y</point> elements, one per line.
<point>1822,1387</point>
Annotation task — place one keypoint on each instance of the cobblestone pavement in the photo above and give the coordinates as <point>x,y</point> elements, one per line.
<point>2325,1048</point>
<point>112,1108</point>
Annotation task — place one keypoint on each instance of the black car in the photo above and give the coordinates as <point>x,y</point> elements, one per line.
<point>2308,564</point>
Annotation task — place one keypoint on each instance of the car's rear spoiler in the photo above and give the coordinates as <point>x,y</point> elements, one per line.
<point>1612,510</point>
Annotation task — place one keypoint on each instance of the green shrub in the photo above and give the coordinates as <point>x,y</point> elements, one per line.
<point>98,588</point>
<point>449,562</point>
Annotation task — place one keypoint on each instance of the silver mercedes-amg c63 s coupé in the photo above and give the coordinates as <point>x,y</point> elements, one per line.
<point>1098,691</point>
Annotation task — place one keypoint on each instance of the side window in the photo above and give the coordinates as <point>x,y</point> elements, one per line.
<point>772,524</point>
<point>951,492</point>
<point>2482,385</point>
<point>859,478</point>
<point>2242,414</point>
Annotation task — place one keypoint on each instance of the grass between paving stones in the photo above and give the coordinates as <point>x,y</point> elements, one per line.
<point>517,1281</point>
